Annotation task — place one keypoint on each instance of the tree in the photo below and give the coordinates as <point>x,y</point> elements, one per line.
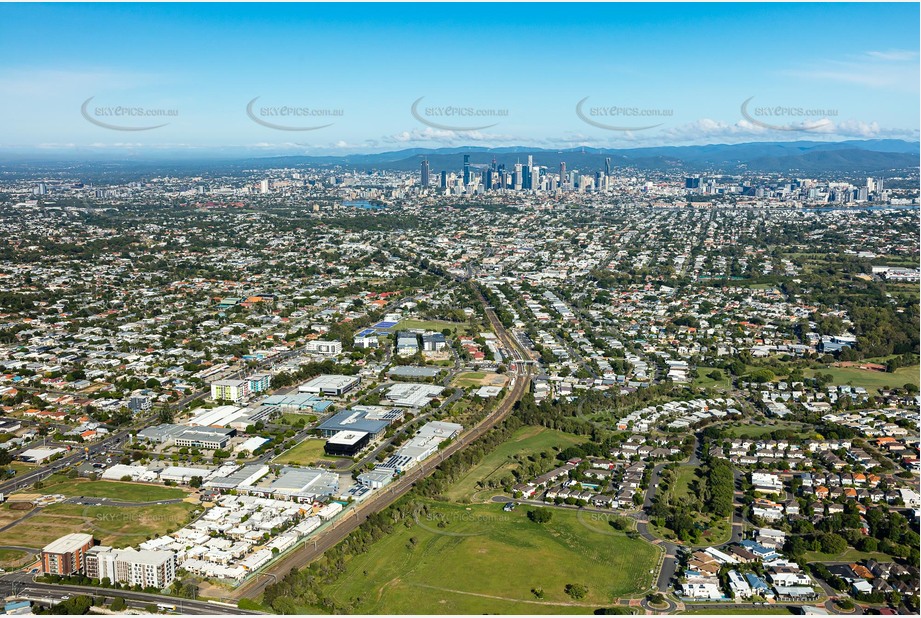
<point>540,515</point>
<point>761,375</point>
<point>576,591</point>
<point>832,543</point>
<point>118,604</point>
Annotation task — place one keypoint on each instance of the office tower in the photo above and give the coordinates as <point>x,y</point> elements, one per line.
<point>517,180</point>
<point>692,182</point>
<point>494,164</point>
<point>562,173</point>
<point>466,170</point>
<point>444,179</point>
<point>425,172</point>
<point>264,186</point>
<point>42,189</point>
<point>607,166</point>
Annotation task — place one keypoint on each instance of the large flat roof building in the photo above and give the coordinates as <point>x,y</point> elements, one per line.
<point>412,395</point>
<point>244,477</point>
<point>303,484</point>
<point>180,435</point>
<point>352,420</point>
<point>335,385</point>
<point>347,443</point>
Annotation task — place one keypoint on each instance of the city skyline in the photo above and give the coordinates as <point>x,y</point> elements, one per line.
<point>323,80</point>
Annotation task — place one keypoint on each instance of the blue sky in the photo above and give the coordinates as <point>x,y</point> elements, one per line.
<point>809,71</point>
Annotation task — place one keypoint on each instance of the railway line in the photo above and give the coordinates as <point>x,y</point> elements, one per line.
<point>314,547</point>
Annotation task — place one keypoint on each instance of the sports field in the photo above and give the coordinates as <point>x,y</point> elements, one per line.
<point>484,560</point>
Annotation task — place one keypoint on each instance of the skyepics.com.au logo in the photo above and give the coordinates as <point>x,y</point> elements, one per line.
<point>621,117</point>
<point>458,523</point>
<point>796,118</point>
<point>291,117</point>
<point>455,117</point>
<point>606,523</point>
<point>125,117</point>
<point>126,521</point>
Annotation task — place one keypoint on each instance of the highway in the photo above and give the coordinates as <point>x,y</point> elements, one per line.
<point>21,584</point>
<point>381,499</point>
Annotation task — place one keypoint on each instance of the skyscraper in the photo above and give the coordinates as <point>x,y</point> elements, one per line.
<point>444,179</point>
<point>562,173</point>
<point>526,181</point>
<point>425,172</point>
<point>607,166</point>
<point>466,170</point>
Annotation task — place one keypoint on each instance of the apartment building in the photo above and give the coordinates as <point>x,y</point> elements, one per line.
<point>67,555</point>
<point>145,568</point>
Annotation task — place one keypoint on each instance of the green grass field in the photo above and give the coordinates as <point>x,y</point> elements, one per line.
<point>304,453</point>
<point>12,558</point>
<point>525,441</point>
<point>435,325</point>
<point>469,378</point>
<point>704,381</point>
<point>759,431</point>
<point>112,525</point>
<point>114,490</point>
<point>871,380</point>
<point>487,561</point>
<point>21,467</point>
<point>850,555</point>
<point>292,419</point>
<point>685,475</point>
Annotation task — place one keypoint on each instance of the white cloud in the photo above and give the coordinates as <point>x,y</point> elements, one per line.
<point>896,69</point>
<point>895,55</point>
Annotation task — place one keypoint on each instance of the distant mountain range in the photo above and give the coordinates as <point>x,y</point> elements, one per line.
<point>881,156</point>
<point>804,156</point>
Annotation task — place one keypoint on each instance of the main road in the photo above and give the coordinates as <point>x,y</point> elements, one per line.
<point>21,585</point>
